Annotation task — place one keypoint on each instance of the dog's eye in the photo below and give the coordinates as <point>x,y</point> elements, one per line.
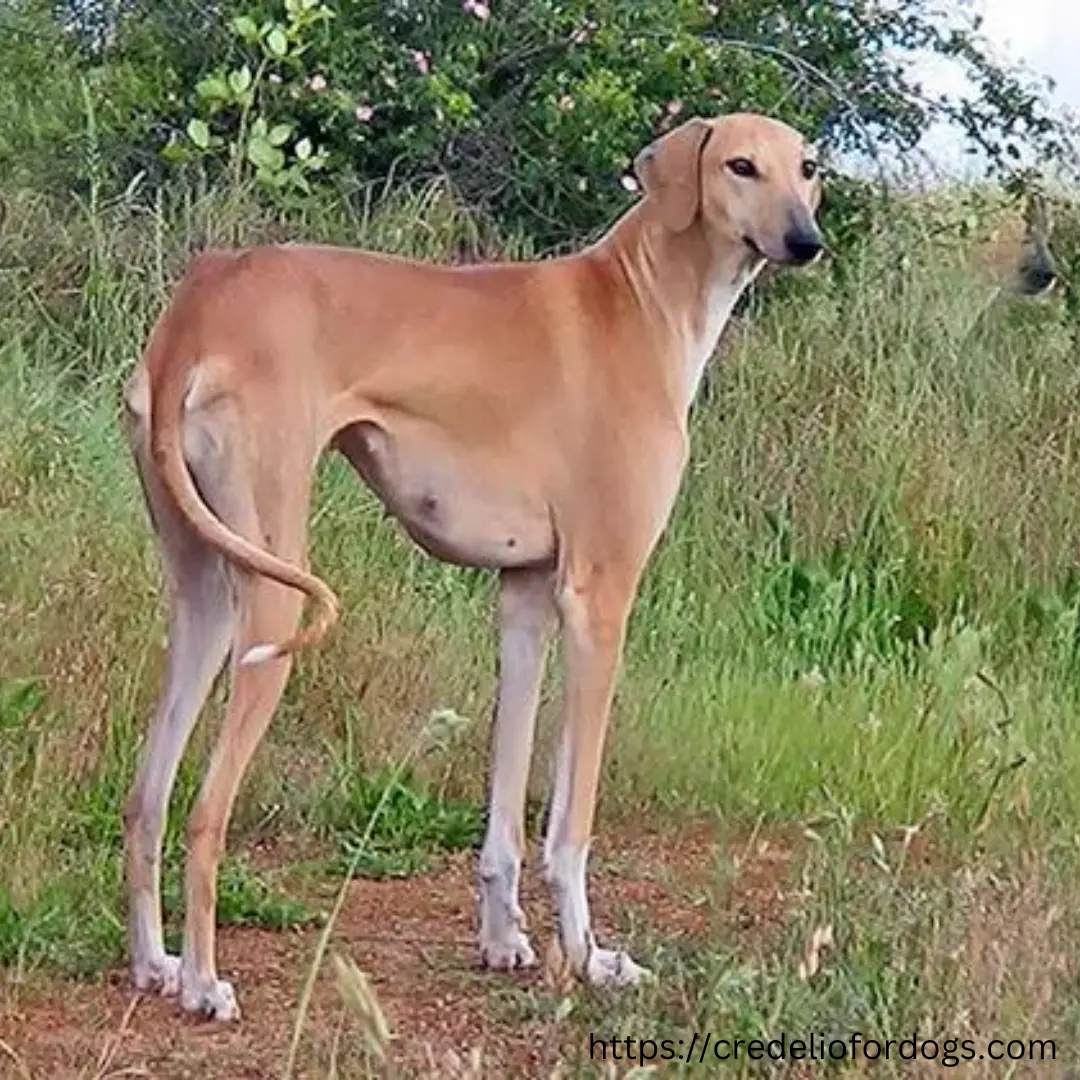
<point>809,169</point>
<point>741,166</point>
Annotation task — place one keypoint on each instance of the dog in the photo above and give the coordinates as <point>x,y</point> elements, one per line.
<point>1022,245</point>
<point>527,417</point>
<point>1011,258</point>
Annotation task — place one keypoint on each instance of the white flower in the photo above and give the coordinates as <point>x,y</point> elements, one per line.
<point>317,83</point>
<point>364,113</point>
<point>629,183</point>
<point>565,103</point>
<point>478,9</point>
<point>422,61</point>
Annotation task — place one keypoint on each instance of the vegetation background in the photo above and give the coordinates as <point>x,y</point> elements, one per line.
<point>858,642</point>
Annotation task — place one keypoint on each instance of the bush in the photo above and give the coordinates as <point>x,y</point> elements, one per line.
<point>533,111</point>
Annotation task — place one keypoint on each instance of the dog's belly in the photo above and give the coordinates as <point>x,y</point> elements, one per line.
<point>456,507</point>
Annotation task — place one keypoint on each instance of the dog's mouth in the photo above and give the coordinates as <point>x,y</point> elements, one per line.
<point>755,250</point>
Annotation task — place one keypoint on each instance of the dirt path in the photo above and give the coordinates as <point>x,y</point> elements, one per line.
<point>415,940</point>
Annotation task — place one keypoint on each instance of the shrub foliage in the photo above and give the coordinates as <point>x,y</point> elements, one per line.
<point>533,110</point>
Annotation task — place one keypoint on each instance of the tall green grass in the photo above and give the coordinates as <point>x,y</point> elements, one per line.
<point>865,610</point>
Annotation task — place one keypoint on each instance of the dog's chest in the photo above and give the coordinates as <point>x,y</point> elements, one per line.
<point>704,335</point>
<point>708,324</point>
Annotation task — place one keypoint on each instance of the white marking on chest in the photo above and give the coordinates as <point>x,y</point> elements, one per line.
<point>703,339</point>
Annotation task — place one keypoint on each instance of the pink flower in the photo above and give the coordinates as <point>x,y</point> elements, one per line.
<point>478,9</point>
<point>364,113</point>
<point>317,83</point>
<point>422,61</point>
<point>674,108</point>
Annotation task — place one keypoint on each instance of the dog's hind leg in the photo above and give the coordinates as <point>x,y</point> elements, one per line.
<point>279,488</point>
<point>200,628</point>
<point>526,614</point>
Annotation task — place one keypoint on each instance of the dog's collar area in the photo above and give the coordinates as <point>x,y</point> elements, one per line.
<point>752,245</point>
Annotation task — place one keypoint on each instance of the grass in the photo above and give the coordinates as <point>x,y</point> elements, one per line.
<point>894,979</point>
<point>861,630</point>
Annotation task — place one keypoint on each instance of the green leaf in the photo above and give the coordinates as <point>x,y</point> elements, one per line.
<point>258,128</point>
<point>246,27</point>
<point>240,80</point>
<point>199,133</point>
<point>277,42</point>
<point>264,156</point>
<point>303,149</point>
<point>175,153</point>
<point>212,88</point>
<point>279,134</point>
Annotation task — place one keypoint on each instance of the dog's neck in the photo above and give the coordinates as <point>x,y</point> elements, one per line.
<point>686,286</point>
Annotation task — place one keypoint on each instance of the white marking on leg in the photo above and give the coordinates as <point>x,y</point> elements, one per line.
<point>503,942</point>
<point>565,870</point>
<point>212,998</point>
<point>565,873</point>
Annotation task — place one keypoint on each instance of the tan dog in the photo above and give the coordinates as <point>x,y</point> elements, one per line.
<point>530,418</point>
<point>1015,255</point>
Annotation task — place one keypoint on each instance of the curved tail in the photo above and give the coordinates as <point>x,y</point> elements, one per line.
<point>166,448</point>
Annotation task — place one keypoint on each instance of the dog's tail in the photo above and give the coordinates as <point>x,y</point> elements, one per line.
<point>166,448</point>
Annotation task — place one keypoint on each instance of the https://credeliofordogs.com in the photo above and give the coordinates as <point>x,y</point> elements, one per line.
<point>701,1047</point>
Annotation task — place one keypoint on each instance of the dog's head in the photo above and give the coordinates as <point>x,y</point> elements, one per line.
<point>1010,252</point>
<point>744,178</point>
<point>1036,272</point>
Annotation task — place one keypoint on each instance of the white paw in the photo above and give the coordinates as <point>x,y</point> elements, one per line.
<point>611,968</point>
<point>213,999</point>
<point>158,976</point>
<point>510,952</point>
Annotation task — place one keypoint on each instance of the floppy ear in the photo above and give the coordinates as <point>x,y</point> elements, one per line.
<point>670,172</point>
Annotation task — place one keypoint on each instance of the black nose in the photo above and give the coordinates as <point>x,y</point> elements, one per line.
<point>1041,277</point>
<point>1044,277</point>
<point>803,244</point>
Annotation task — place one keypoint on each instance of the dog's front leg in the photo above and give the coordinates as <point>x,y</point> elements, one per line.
<point>594,615</point>
<point>526,609</point>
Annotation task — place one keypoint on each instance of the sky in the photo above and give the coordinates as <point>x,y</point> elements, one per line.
<point>1044,35</point>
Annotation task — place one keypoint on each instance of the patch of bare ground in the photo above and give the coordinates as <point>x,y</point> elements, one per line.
<point>415,939</point>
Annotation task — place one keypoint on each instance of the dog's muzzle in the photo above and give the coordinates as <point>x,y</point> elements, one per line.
<point>803,244</point>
